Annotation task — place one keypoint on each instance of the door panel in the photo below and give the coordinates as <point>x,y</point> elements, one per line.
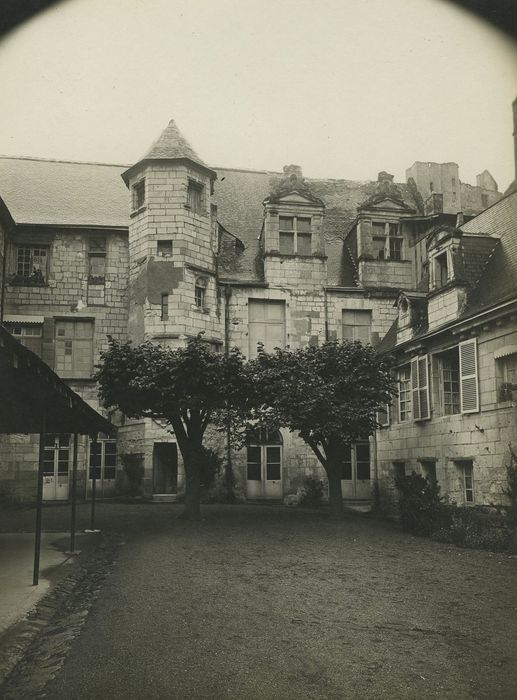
<point>264,471</point>
<point>356,478</point>
<point>273,481</point>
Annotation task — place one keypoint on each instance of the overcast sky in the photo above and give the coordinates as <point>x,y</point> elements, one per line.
<point>344,88</point>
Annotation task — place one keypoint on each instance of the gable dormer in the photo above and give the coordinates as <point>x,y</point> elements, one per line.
<point>293,218</point>
<point>447,282</point>
<point>412,314</point>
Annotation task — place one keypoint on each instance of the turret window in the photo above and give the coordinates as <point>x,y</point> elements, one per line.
<point>138,194</point>
<point>195,192</point>
<point>295,237</point>
<point>200,292</point>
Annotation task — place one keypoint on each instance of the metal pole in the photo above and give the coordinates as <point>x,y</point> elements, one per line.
<point>39,503</point>
<point>94,482</point>
<point>74,496</point>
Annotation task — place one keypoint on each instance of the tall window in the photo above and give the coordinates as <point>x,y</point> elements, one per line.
<point>200,292</point>
<point>405,393</point>
<point>386,242</point>
<point>74,348</point>
<point>295,235</point>
<point>138,193</point>
<point>466,469</point>
<point>441,270</point>
<point>96,260</point>
<point>164,311</point>
<point>195,192</point>
<point>103,459</point>
<point>450,382</point>
<point>29,334</point>
<point>357,326</point>
<point>31,264</point>
<point>266,325</point>
<point>356,462</point>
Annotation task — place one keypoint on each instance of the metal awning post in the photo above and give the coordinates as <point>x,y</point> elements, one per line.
<point>39,502</point>
<point>93,447</point>
<point>74,496</point>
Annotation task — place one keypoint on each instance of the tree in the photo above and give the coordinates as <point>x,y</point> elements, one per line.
<point>329,394</point>
<point>187,387</point>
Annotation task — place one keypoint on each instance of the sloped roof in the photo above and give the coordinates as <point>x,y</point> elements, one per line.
<point>171,145</point>
<point>498,278</point>
<point>63,193</point>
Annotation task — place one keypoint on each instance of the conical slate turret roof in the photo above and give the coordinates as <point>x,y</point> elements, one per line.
<point>170,145</point>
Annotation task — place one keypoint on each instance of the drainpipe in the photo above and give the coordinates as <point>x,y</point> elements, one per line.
<point>229,466</point>
<point>4,270</point>
<point>326,310</point>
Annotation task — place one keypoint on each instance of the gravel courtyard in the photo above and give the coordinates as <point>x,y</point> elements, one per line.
<point>268,602</point>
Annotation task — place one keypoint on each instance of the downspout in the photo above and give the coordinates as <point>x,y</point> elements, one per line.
<point>326,311</point>
<point>229,479</point>
<point>4,270</point>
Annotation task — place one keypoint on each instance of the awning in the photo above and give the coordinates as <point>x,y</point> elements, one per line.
<point>505,351</point>
<point>29,390</point>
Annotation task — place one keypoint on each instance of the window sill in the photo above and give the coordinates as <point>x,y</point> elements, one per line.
<point>293,256</point>
<point>138,211</point>
<point>197,212</point>
<point>26,283</point>
<point>204,310</point>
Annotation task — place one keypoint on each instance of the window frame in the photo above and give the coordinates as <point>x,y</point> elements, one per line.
<point>406,392</point>
<point>455,397</point>
<point>32,278</point>
<point>164,253</point>
<point>164,307</point>
<point>71,342</point>
<point>139,195</point>
<point>200,287</point>
<point>196,197</point>
<point>295,233</point>
<point>355,325</point>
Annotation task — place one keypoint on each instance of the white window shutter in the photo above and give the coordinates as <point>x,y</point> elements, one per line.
<point>415,399</point>
<point>469,394</point>
<point>383,417</point>
<point>423,387</point>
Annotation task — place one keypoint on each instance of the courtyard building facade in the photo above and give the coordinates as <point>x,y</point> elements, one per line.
<point>170,247</point>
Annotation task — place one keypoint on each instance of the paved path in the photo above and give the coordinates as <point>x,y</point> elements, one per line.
<point>264,602</point>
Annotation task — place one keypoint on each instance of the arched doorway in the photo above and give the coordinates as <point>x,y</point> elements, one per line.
<point>264,464</point>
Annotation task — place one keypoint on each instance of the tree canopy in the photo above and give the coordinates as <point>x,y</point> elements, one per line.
<point>329,394</point>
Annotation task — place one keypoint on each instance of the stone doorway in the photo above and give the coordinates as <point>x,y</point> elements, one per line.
<point>165,468</point>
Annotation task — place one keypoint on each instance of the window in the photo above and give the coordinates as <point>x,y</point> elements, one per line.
<point>441,270</point>
<point>450,382</point>
<point>404,394</point>
<point>56,455</point>
<point>30,335</point>
<point>138,194</point>
<point>386,243</point>
<point>428,467</point>
<point>395,248</point>
<point>200,292</point>
<point>96,260</point>
<point>31,264</point>
<point>195,193</point>
<point>164,249</point>
<point>295,235</point>
<point>383,416</point>
<point>420,407</point>
<point>356,462</point>
<point>507,374</point>
<point>103,459</point>
<point>454,182</point>
<point>266,325</point>
<point>466,469</point>
<point>164,311</point>
<point>74,348</point>
<point>399,470</point>
<point>263,455</point>
<point>357,326</point>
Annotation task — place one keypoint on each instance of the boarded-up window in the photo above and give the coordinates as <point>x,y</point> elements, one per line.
<point>420,388</point>
<point>357,326</point>
<point>469,395</point>
<point>74,348</point>
<point>266,325</point>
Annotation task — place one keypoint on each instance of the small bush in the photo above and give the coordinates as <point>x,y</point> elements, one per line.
<point>511,490</point>
<point>134,469</point>
<point>473,528</point>
<point>419,503</point>
<point>312,492</point>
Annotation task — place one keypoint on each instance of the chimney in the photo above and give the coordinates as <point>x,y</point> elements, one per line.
<point>460,220</point>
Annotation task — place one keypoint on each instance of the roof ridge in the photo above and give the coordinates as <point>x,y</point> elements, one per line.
<point>60,160</point>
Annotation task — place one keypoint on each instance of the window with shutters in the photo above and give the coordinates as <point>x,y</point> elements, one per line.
<point>468,370</point>
<point>450,382</point>
<point>404,378</point>
<point>74,348</point>
<point>420,388</point>
<point>266,325</point>
<point>357,325</point>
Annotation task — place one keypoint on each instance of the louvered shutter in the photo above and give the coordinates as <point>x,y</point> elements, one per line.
<point>423,387</point>
<point>469,395</point>
<point>415,399</point>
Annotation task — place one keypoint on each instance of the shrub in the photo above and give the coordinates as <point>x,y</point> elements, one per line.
<point>511,490</point>
<point>419,503</point>
<point>312,492</point>
<point>134,469</point>
<point>473,528</point>
<point>210,467</point>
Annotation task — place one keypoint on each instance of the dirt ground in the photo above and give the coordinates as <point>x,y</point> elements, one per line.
<point>269,602</point>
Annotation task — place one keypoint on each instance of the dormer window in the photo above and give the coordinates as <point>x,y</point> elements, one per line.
<point>441,270</point>
<point>138,193</point>
<point>387,243</point>
<point>295,235</point>
<point>403,313</point>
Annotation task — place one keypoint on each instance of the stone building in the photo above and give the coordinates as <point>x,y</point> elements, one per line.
<point>170,247</point>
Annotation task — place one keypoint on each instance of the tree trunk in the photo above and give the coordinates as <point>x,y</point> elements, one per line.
<point>192,464</point>
<point>337,511</point>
